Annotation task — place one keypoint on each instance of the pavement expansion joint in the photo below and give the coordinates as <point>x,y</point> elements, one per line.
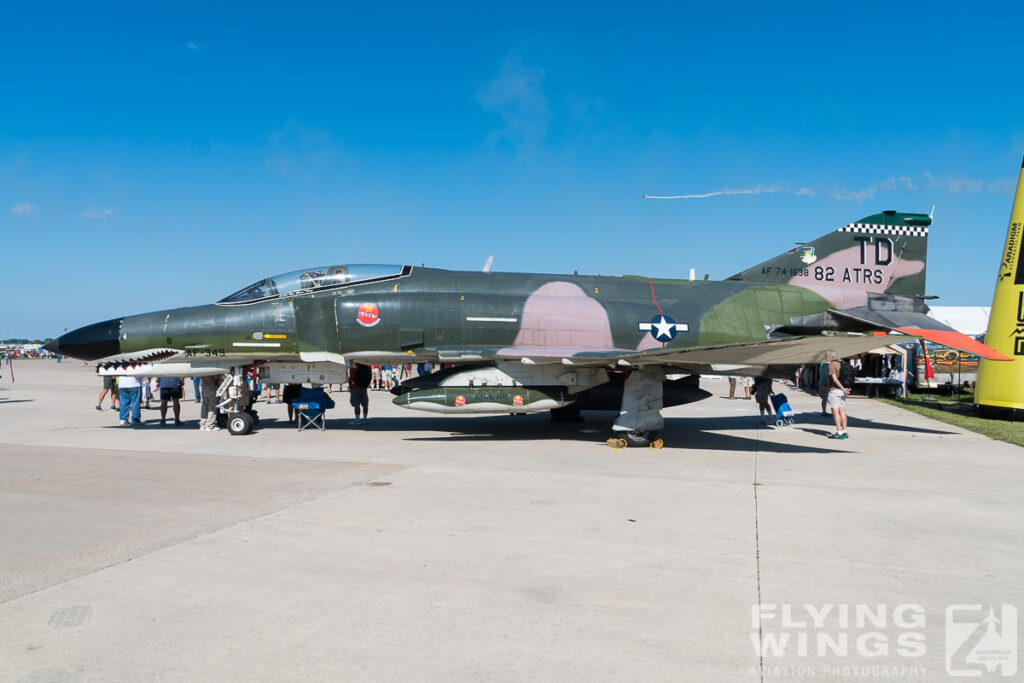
<point>757,556</point>
<point>515,550</point>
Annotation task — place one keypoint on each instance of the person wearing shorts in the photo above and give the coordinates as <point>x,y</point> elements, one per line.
<point>109,384</point>
<point>147,391</point>
<point>170,390</point>
<point>357,391</point>
<point>837,400</point>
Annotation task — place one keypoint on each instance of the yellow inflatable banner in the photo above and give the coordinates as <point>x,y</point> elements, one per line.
<point>1000,388</point>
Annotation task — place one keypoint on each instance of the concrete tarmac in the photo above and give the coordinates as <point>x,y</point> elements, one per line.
<point>498,548</point>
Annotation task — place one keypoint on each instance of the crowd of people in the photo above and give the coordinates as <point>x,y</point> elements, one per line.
<point>129,396</point>
<point>834,382</point>
<point>9,352</point>
<point>386,377</point>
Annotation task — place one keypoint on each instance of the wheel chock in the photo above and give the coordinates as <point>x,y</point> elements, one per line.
<point>617,444</point>
<point>657,443</point>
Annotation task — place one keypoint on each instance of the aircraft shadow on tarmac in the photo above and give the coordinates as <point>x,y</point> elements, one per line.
<point>814,423</point>
<point>679,433</point>
<point>691,433</point>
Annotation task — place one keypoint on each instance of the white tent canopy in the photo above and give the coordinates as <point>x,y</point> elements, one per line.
<point>969,320</point>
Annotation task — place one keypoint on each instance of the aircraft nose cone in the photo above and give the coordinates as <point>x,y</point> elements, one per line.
<point>91,342</point>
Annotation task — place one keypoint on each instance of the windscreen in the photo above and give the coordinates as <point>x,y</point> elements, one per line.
<point>310,279</point>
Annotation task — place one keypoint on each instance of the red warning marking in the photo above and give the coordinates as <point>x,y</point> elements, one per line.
<point>460,401</point>
<point>655,300</point>
<point>368,315</point>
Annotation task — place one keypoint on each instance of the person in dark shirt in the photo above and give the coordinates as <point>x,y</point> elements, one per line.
<point>359,379</point>
<point>762,390</point>
<point>288,395</point>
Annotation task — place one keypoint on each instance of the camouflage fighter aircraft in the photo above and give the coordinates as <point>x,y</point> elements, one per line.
<point>520,343</point>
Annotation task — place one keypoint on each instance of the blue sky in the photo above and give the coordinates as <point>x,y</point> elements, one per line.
<point>159,157</point>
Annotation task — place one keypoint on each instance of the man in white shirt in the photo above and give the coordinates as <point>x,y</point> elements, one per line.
<point>130,392</point>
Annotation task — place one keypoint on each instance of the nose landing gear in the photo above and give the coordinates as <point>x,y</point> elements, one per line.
<point>240,424</point>
<point>234,395</point>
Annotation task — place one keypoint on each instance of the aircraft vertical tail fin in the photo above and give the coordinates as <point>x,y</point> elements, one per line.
<point>881,254</point>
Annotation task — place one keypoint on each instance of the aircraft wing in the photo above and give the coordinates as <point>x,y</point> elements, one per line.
<point>785,351</point>
<point>722,358</point>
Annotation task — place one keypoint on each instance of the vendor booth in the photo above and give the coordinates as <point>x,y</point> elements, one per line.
<point>882,371</point>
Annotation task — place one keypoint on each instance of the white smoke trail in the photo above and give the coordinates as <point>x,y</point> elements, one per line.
<point>760,189</point>
<point>893,184</point>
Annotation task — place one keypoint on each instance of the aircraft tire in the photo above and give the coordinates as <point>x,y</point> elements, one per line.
<point>240,424</point>
<point>640,438</point>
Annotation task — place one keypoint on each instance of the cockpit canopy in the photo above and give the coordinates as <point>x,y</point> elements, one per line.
<point>313,279</point>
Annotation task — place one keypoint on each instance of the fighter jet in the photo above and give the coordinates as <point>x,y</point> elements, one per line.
<point>521,343</point>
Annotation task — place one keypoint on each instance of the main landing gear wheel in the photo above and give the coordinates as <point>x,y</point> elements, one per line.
<point>636,438</point>
<point>240,424</point>
<point>640,437</point>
